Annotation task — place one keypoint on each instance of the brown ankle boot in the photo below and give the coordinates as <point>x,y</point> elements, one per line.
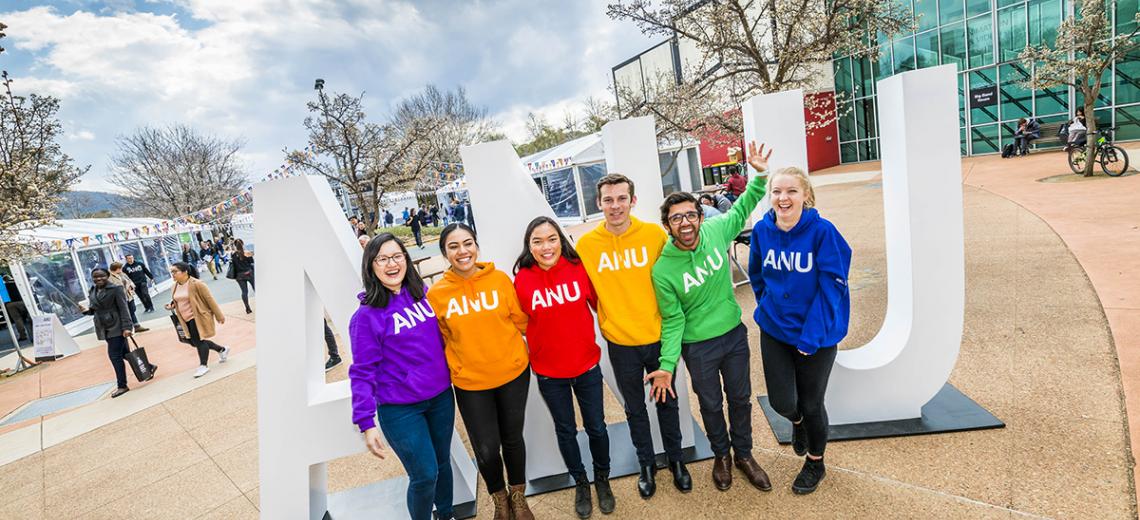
<point>519,508</point>
<point>502,507</point>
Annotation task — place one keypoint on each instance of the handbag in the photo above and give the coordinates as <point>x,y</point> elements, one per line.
<point>182,335</point>
<point>230,272</point>
<point>140,365</point>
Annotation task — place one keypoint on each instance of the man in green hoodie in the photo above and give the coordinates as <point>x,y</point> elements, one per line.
<point>700,320</point>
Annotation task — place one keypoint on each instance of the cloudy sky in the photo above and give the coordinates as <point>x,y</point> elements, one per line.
<point>245,68</point>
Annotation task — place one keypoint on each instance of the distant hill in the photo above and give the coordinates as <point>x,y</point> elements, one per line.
<point>92,204</point>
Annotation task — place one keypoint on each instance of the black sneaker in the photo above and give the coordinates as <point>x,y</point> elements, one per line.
<point>799,438</point>
<point>809,478</point>
<point>332,363</point>
<point>583,504</point>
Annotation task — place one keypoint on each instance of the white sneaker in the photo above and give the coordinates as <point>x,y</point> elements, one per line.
<point>201,371</point>
<point>224,355</point>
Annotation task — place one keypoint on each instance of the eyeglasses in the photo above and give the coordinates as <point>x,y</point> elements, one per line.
<point>397,258</point>
<point>691,216</point>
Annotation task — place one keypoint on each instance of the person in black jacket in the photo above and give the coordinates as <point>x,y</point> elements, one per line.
<point>112,323</point>
<point>207,255</point>
<point>191,257</point>
<point>241,265</point>
<point>415,221</point>
<point>138,274</point>
<point>1027,130</point>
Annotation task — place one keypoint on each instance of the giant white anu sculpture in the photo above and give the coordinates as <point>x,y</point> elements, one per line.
<point>910,359</point>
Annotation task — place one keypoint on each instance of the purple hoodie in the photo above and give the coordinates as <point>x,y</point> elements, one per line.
<point>397,356</point>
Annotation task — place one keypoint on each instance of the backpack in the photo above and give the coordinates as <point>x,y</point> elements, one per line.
<point>1007,151</point>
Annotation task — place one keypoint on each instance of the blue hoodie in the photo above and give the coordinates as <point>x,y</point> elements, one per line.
<point>800,280</point>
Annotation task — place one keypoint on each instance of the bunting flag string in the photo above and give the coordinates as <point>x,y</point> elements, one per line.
<point>195,221</point>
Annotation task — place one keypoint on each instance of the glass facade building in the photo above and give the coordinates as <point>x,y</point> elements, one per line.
<point>983,38</point>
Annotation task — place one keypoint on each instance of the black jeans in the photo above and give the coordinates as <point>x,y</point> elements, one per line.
<point>245,290</point>
<point>558,394</point>
<point>204,346</point>
<point>630,364</point>
<point>419,237</point>
<point>330,341</point>
<point>1021,146</point>
<point>143,293</point>
<point>797,385</point>
<point>725,356</point>
<point>131,307</point>
<point>494,421</point>
<point>117,350</point>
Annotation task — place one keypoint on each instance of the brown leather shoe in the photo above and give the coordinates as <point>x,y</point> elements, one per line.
<point>754,472</point>
<point>520,510</point>
<point>502,508</point>
<point>722,472</point>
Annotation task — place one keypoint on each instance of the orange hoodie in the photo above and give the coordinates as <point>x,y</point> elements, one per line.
<point>482,325</point>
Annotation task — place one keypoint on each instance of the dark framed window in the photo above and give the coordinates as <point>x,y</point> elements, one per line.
<point>865,121</point>
<point>980,34</point>
<point>953,44</point>
<point>869,150</point>
<point>1128,119</point>
<point>926,49</point>
<point>1128,79</point>
<point>848,152</point>
<point>843,83</point>
<point>984,139</point>
<point>1011,32</point>
<point>1016,100</point>
<point>846,122</point>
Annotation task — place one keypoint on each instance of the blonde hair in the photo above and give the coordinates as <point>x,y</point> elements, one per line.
<point>805,183</point>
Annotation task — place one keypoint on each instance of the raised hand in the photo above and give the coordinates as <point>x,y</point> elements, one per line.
<point>757,159</point>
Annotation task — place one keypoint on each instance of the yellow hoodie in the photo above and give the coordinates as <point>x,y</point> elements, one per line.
<point>482,325</point>
<point>621,268</point>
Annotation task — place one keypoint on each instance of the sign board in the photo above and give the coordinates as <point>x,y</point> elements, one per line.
<point>50,339</point>
<point>983,97</point>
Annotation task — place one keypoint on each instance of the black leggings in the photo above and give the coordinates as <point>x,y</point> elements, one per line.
<point>204,346</point>
<point>797,385</point>
<point>245,290</point>
<point>494,420</point>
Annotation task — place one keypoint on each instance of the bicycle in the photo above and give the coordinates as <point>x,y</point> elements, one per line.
<point>1113,159</point>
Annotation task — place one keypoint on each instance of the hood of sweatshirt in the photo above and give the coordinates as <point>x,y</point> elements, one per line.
<point>808,218</point>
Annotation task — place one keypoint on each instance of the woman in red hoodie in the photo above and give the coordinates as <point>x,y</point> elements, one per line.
<point>555,293</point>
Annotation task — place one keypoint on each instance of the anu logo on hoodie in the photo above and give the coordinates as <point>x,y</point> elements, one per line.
<point>707,267</point>
<point>617,260</point>
<point>462,305</point>
<point>560,294</point>
<point>789,260</point>
<point>412,316</point>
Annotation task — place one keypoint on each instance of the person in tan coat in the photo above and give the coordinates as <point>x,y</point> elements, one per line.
<point>192,303</point>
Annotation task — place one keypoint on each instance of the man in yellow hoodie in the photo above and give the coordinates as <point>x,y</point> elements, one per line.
<point>619,255</point>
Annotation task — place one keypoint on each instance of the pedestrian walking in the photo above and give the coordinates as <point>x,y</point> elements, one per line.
<point>388,219</point>
<point>557,297</point>
<point>139,274</point>
<point>417,230</point>
<point>482,326</point>
<point>190,257</point>
<point>118,277</point>
<point>197,312</point>
<point>796,252</point>
<point>399,374</point>
<point>108,304</point>
<point>241,265</point>
<point>207,254</point>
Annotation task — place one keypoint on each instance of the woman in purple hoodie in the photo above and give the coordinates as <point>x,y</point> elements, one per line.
<point>399,375</point>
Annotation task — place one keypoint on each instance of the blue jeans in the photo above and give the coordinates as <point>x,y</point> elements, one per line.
<point>420,434</point>
<point>588,388</point>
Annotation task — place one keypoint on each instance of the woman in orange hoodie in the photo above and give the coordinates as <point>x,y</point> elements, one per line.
<point>482,325</point>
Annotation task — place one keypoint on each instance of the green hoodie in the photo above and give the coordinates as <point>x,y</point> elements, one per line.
<point>698,284</point>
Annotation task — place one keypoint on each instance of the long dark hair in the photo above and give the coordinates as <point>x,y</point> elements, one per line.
<point>375,294</point>
<point>239,246</point>
<point>449,229</point>
<point>526,259</point>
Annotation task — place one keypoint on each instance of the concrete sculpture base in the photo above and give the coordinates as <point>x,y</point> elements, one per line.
<point>949,411</point>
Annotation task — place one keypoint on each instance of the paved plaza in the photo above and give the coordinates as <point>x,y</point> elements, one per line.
<point>1052,317</point>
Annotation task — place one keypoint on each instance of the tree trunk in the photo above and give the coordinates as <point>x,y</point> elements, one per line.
<point>1090,125</point>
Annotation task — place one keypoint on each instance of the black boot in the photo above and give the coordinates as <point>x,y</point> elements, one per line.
<point>681,478</point>
<point>809,477</point>
<point>583,504</point>
<point>799,438</point>
<point>605,494</point>
<point>647,480</point>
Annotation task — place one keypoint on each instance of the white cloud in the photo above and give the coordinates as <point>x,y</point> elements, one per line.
<point>81,135</point>
<point>62,89</point>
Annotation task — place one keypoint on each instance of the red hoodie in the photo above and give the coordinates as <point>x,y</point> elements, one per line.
<point>560,330</point>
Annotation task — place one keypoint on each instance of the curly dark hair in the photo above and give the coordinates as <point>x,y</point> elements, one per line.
<point>673,199</point>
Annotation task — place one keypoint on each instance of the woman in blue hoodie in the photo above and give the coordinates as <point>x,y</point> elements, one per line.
<point>399,375</point>
<point>798,268</point>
